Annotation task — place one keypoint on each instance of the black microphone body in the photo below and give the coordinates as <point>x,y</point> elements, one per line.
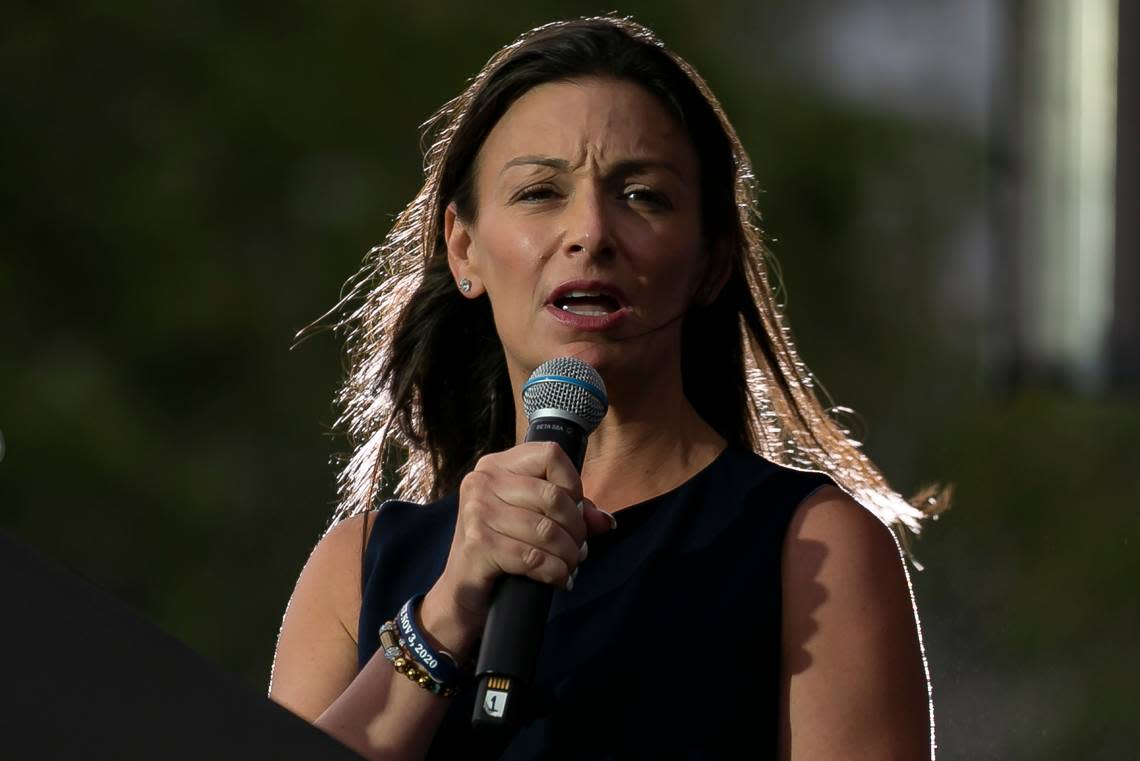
<point>516,620</point>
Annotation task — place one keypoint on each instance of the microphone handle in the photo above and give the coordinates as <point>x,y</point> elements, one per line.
<point>516,619</point>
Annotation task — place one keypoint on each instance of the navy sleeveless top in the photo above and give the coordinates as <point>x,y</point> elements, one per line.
<point>670,638</point>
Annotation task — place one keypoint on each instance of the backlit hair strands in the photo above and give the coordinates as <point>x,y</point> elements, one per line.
<point>382,414</point>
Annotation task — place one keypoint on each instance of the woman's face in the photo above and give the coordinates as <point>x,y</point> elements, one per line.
<point>587,237</point>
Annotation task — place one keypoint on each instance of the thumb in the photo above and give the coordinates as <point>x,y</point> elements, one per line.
<point>598,521</point>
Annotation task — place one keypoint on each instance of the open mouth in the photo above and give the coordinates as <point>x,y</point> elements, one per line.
<point>587,303</point>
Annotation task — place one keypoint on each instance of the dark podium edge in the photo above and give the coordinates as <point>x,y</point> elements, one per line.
<point>84,676</point>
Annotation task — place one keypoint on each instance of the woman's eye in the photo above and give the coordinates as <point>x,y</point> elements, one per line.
<point>646,196</point>
<point>536,193</point>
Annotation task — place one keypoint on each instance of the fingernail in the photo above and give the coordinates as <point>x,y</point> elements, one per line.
<point>570,581</point>
<point>583,551</point>
<point>613,520</point>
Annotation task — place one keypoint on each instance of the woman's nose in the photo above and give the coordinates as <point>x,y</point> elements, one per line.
<point>588,224</point>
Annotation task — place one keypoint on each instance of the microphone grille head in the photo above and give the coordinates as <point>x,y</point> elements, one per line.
<point>570,385</point>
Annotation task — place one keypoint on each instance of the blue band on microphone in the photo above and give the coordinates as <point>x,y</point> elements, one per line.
<point>440,665</point>
<point>590,388</point>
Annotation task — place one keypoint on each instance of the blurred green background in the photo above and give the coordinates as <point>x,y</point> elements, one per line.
<point>186,185</point>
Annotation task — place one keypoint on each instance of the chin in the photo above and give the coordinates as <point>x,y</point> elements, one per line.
<point>612,361</point>
<point>601,358</point>
<point>598,356</point>
<point>615,360</point>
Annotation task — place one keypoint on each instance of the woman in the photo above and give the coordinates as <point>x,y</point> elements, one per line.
<point>586,197</point>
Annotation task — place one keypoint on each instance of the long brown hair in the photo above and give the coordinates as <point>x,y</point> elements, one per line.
<point>427,391</point>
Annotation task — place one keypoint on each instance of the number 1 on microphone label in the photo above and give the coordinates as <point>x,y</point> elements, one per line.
<point>495,703</point>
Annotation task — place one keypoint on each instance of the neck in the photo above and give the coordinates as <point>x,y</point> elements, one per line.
<point>650,441</point>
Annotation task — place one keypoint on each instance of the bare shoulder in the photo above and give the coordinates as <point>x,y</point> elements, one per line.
<point>830,520</point>
<point>335,566</point>
<point>854,682</point>
<point>316,648</point>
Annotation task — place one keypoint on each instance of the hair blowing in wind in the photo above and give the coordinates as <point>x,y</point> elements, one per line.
<point>411,336</point>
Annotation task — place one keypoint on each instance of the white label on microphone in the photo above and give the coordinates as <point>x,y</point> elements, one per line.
<point>495,703</point>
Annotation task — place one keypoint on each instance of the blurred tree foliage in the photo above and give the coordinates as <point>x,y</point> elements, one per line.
<point>187,185</point>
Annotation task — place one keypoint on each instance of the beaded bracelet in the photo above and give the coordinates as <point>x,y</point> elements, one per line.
<point>404,664</point>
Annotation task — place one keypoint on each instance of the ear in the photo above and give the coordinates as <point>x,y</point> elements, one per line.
<point>457,236</point>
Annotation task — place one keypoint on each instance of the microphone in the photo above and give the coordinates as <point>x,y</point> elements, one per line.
<point>565,400</point>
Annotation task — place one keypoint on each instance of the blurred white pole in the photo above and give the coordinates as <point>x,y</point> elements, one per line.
<point>1068,213</point>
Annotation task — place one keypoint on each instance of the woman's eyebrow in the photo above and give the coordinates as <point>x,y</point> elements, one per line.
<point>629,166</point>
<point>554,163</point>
<point>642,166</point>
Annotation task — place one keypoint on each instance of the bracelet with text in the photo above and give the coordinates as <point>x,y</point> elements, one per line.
<point>406,665</point>
<point>441,665</point>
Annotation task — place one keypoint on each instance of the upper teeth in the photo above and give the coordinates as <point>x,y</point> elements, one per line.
<point>587,312</point>
<point>582,309</point>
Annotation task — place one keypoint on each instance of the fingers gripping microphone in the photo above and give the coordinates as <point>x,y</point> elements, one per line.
<point>565,399</point>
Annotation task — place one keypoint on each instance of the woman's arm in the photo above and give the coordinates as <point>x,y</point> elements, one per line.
<point>520,512</point>
<point>854,682</point>
<point>378,713</point>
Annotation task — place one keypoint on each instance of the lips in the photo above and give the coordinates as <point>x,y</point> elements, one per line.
<point>591,305</point>
<point>588,298</point>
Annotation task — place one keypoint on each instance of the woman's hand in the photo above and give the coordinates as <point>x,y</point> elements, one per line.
<point>521,512</point>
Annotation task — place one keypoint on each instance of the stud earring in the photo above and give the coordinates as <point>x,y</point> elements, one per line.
<point>465,285</point>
